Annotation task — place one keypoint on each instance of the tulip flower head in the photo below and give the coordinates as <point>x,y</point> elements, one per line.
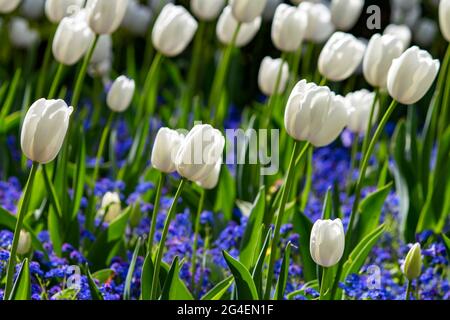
<point>56,10</point>
<point>7,6</point>
<point>24,245</point>
<point>137,18</point>
<point>211,180</point>
<point>319,26</point>
<point>402,32</point>
<point>327,242</point>
<point>227,24</point>
<point>165,149</point>
<point>444,18</point>
<point>110,208</point>
<point>268,75</point>
<point>412,266</point>
<point>106,15</point>
<point>44,129</point>
<point>121,93</point>
<point>345,13</point>
<point>21,35</point>
<point>288,28</point>
<point>360,105</point>
<point>247,10</point>
<point>207,10</point>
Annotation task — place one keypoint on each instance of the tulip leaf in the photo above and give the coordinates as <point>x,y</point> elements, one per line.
<point>129,278</point>
<point>147,277</point>
<point>226,194</point>
<point>446,244</point>
<point>327,210</point>
<point>246,289</point>
<point>168,288</point>
<point>103,275</point>
<point>284,274</point>
<point>80,175</point>
<point>22,286</point>
<point>51,192</point>
<point>303,226</point>
<point>95,292</point>
<point>257,273</point>
<point>218,291</point>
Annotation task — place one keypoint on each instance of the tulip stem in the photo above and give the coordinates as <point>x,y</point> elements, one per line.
<point>323,285</point>
<point>20,217</point>
<point>101,147</point>
<point>370,123</point>
<point>196,232</point>
<point>446,98</point>
<point>295,66</point>
<point>56,81</point>
<point>151,234</point>
<point>43,73</point>
<point>162,242</point>
<point>323,81</point>
<point>408,290</point>
<point>353,162</point>
<point>286,191</point>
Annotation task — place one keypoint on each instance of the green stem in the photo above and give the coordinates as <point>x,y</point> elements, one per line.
<point>44,69</point>
<point>20,217</point>
<point>323,284</point>
<point>162,242</point>
<point>323,81</point>
<point>56,81</point>
<point>408,290</point>
<point>307,59</point>
<point>196,232</point>
<point>151,233</point>
<point>370,123</point>
<point>355,145</point>
<point>101,147</point>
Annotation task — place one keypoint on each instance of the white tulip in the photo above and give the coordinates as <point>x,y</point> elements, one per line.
<point>210,182</point>
<point>269,72</point>
<point>411,75</point>
<point>319,27</point>
<point>55,10</point>
<point>173,30</point>
<point>380,53</point>
<point>24,244</point>
<point>341,56</point>
<point>247,10</point>
<point>199,153</point>
<point>270,8</point>
<point>444,18</point>
<point>7,6</point>
<point>32,9</point>
<point>121,94</point>
<point>226,27</point>
<point>44,129</point>
<point>315,114</point>
<point>327,242</point>
<point>110,208</point>
<point>360,106</point>
<point>21,35</point>
<point>412,266</point>
<point>345,13</point>
<point>402,32</point>
<point>72,39</point>
<point>165,149</point>
<point>106,15</point>
<point>288,28</point>
<point>207,10</point>
<point>103,49</point>
<point>137,18</point>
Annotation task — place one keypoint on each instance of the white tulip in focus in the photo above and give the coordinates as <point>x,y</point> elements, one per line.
<point>319,27</point>
<point>44,129</point>
<point>412,266</point>
<point>137,18</point>
<point>121,93</point>
<point>24,244</point>
<point>173,30</point>
<point>72,39</point>
<point>21,35</point>
<point>380,53</point>
<point>226,27</point>
<point>327,242</point>
<point>345,13</point>
<point>247,10</point>
<point>444,18</point>
<point>165,149</point>
<point>199,153</point>
<point>110,208</point>
<point>7,6</point>
<point>32,9</point>
<point>106,15</point>
<point>55,10</point>
<point>315,114</point>
<point>269,71</point>
<point>210,182</point>
<point>288,28</point>
<point>359,107</point>
<point>402,32</point>
<point>411,75</point>
<point>207,10</point>
<point>341,56</point>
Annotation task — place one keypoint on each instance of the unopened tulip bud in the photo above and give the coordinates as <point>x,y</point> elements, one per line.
<point>319,27</point>
<point>269,72</point>
<point>173,30</point>
<point>413,263</point>
<point>411,75</point>
<point>24,245</point>
<point>247,10</point>
<point>401,32</point>
<point>106,15</point>
<point>121,94</point>
<point>345,13</point>
<point>226,27</point>
<point>110,208</point>
<point>207,10</point>
<point>165,148</point>
<point>7,6</point>
<point>360,106</point>
<point>288,28</point>
<point>44,129</point>
<point>327,242</point>
<point>55,10</point>
<point>444,18</point>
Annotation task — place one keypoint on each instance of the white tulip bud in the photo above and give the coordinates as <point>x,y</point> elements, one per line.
<point>55,10</point>
<point>327,242</point>
<point>7,6</point>
<point>24,244</point>
<point>269,72</point>
<point>106,15</point>
<point>207,10</point>
<point>210,182</point>
<point>380,53</point>
<point>137,18</point>
<point>32,9</point>
<point>411,75</point>
<point>165,149</point>
<point>360,106</point>
<point>319,27</point>
<point>288,28</point>
<point>247,10</point>
<point>345,13</point>
<point>315,114</point>
<point>110,208</point>
<point>121,94</point>
<point>199,153</point>
<point>173,30</point>
<point>226,27</point>
<point>341,56</point>
<point>402,32</point>
<point>21,35</point>
<point>412,266</point>
<point>72,39</point>
<point>44,129</point>
<point>444,18</point>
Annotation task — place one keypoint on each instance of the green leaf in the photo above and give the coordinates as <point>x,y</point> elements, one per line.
<point>22,287</point>
<point>80,175</point>
<point>313,284</point>
<point>308,182</point>
<point>11,94</point>
<point>103,275</point>
<point>250,240</point>
<point>10,122</point>
<point>226,194</point>
<point>257,273</point>
<point>51,192</point>
<point>303,226</point>
<point>168,284</point>
<point>246,289</point>
<point>54,224</point>
<point>284,274</point>
<point>147,277</point>
<point>176,288</point>
<point>95,293</point>
<point>129,278</point>
<point>327,210</point>
<point>217,292</point>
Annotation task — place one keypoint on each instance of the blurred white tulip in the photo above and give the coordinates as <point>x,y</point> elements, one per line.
<point>444,18</point>
<point>319,27</point>
<point>288,28</point>
<point>7,6</point>
<point>120,94</point>
<point>21,35</point>
<point>110,208</point>
<point>402,32</point>
<point>345,13</point>
<point>55,10</point>
<point>226,27</point>
<point>106,15</point>
<point>425,32</point>
<point>103,49</point>
<point>247,10</point>
<point>137,18</point>
<point>268,74</point>
<point>207,10</point>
